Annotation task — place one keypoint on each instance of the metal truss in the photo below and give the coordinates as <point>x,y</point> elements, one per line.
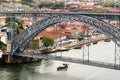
<point>117,55</point>
<point>86,52</point>
<point>109,16</point>
<point>20,41</point>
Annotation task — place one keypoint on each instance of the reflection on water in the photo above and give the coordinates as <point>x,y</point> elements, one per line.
<point>46,69</point>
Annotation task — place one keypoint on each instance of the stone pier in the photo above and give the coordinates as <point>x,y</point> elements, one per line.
<point>7,59</point>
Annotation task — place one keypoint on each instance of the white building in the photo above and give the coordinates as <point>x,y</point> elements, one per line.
<point>3,37</point>
<point>13,0</point>
<point>1,53</point>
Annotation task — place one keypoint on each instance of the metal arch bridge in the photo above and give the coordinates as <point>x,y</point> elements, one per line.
<point>109,16</point>
<point>20,41</point>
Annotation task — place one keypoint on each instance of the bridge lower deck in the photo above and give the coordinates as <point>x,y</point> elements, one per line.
<point>73,60</point>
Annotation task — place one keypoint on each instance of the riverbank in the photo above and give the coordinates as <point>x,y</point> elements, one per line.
<point>87,41</point>
<point>74,44</point>
<point>79,44</point>
<point>7,59</point>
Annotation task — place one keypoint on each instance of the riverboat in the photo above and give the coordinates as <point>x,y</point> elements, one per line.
<point>64,67</point>
<point>95,42</point>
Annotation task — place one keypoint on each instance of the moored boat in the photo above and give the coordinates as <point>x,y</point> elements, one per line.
<point>77,47</point>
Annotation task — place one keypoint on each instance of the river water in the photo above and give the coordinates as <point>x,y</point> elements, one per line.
<point>46,69</point>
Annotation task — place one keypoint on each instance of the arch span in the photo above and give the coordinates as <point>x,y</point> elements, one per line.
<point>20,41</point>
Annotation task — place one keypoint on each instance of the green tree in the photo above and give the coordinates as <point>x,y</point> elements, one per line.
<point>47,41</point>
<point>58,5</point>
<point>18,24</point>
<point>26,3</point>
<point>110,4</point>
<point>33,45</point>
<point>27,0</point>
<point>81,38</point>
<point>2,1</point>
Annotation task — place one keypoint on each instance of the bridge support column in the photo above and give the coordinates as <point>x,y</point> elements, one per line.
<point>117,55</point>
<point>34,18</point>
<point>86,52</point>
<point>8,47</point>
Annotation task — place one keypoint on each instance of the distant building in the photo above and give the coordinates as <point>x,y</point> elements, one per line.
<point>14,0</point>
<point>2,21</point>
<point>14,7</point>
<point>1,52</point>
<point>3,37</point>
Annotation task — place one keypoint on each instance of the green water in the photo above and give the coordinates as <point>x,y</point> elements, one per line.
<point>46,69</point>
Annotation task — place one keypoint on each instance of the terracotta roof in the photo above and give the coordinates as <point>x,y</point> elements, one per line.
<point>53,33</point>
<point>2,18</point>
<point>25,19</point>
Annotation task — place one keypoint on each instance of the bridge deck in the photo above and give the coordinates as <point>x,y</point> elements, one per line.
<point>73,60</point>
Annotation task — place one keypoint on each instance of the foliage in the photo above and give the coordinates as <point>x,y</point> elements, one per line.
<point>58,5</point>
<point>18,24</point>
<point>93,10</point>
<point>2,44</point>
<point>26,3</point>
<point>33,45</point>
<point>47,41</point>
<point>80,38</point>
<point>110,4</point>
<point>2,1</point>
<point>28,0</point>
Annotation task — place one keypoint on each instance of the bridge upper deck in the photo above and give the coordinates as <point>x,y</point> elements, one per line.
<point>110,16</point>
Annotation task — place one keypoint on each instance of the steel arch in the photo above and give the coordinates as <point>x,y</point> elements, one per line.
<point>21,40</point>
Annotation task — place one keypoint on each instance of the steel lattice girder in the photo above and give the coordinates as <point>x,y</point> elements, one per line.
<point>108,16</point>
<point>28,35</point>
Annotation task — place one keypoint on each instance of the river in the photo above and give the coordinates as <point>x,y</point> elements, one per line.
<point>46,69</point>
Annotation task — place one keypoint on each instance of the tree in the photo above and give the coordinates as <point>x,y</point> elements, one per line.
<point>33,45</point>
<point>18,24</point>
<point>27,3</point>
<point>81,38</point>
<point>57,5</point>
<point>28,0</point>
<point>110,4</point>
<point>47,41</point>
